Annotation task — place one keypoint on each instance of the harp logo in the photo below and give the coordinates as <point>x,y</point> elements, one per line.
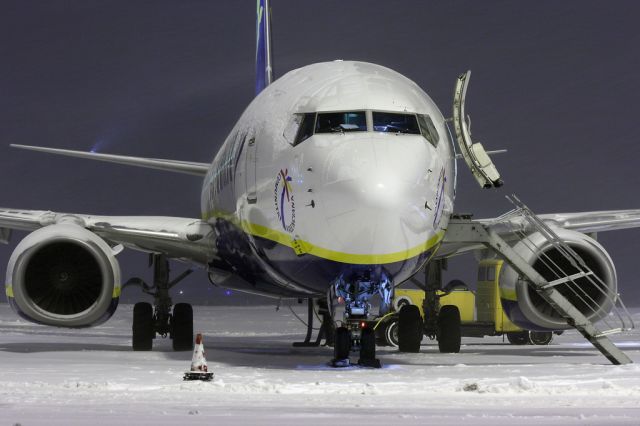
<point>284,201</point>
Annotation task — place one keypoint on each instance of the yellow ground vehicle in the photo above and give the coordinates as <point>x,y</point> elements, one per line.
<point>481,314</point>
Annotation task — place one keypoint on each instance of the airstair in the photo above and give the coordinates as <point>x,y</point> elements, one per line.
<point>522,222</point>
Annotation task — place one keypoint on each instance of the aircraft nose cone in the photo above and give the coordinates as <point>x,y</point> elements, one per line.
<point>375,184</point>
<point>373,192</point>
<point>376,174</point>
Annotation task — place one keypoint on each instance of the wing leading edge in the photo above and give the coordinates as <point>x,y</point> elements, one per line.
<point>191,240</point>
<point>585,222</point>
<point>186,167</point>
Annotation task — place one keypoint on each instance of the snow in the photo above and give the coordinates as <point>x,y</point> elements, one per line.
<point>60,376</point>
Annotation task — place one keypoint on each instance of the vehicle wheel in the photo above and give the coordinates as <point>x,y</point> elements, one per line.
<point>342,344</point>
<point>391,333</point>
<point>400,302</point>
<point>368,344</point>
<point>518,337</point>
<point>409,329</point>
<point>455,285</point>
<point>182,327</point>
<point>142,328</point>
<point>540,337</point>
<point>449,336</point>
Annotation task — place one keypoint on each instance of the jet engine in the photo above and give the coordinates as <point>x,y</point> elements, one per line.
<point>593,296</point>
<point>63,275</point>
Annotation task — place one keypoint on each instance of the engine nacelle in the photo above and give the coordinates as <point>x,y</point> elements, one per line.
<point>594,298</point>
<point>63,275</point>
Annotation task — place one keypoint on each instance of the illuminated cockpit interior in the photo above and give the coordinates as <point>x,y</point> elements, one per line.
<point>312,123</point>
<point>392,122</point>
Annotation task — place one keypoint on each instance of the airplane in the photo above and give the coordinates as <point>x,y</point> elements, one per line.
<point>337,183</point>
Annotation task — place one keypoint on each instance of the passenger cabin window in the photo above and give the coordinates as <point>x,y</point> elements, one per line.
<point>305,131</point>
<point>339,122</point>
<point>428,129</point>
<point>395,123</point>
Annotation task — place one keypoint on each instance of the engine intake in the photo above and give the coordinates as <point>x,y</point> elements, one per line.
<point>593,297</point>
<point>63,275</point>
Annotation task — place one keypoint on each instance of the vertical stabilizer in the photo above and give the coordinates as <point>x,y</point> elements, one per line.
<point>264,70</point>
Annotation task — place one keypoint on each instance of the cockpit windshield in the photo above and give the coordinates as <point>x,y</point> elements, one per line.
<point>305,125</point>
<point>338,122</point>
<point>395,123</point>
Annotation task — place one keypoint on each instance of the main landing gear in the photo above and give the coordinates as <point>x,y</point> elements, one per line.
<point>150,321</point>
<point>440,322</point>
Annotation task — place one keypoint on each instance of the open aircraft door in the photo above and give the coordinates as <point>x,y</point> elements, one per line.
<point>474,154</point>
<point>250,169</point>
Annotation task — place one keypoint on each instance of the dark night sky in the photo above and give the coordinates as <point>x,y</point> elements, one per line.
<point>555,83</point>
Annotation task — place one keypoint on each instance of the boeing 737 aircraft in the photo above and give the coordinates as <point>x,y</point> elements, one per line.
<point>337,183</point>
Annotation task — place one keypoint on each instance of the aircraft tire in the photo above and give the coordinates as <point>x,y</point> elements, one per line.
<point>449,336</point>
<point>182,327</point>
<point>142,327</point>
<point>342,344</point>
<point>368,344</point>
<point>409,329</point>
<point>540,337</point>
<point>518,337</point>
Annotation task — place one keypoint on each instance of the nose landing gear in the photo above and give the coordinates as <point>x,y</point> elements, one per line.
<point>355,334</point>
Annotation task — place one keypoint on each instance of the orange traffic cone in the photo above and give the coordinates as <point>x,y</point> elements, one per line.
<point>199,369</point>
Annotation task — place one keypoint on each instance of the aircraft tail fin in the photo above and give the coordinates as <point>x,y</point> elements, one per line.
<point>264,70</point>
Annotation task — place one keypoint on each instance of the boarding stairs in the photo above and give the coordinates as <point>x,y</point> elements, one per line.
<point>522,222</point>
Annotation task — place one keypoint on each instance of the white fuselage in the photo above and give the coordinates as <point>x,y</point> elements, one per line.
<point>366,199</point>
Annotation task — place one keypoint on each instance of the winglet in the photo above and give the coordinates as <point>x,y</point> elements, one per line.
<point>264,70</point>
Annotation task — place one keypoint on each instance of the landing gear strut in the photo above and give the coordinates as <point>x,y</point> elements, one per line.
<point>440,322</point>
<point>326,329</point>
<point>355,333</point>
<point>149,321</point>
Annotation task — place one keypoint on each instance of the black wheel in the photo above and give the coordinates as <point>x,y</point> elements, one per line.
<point>182,327</point>
<point>409,329</point>
<point>449,336</point>
<point>368,344</point>
<point>540,337</point>
<point>391,333</point>
<point>342,344</point>
<point>142,328</point>
<point>400,302</point>
<point>518,337</point>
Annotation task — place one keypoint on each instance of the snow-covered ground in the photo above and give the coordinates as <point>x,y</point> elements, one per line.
<point>91,376</point>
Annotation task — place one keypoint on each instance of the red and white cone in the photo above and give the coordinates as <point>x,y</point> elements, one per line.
<point>199,369</point>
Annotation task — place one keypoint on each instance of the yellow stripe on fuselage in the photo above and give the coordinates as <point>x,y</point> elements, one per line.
<point>9,290</point>
<point>300,246</point>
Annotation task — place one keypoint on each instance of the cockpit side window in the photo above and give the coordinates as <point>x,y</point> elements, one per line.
<point>428,129</point>
<point>391,122</point>
<point>338,122</point>
<point>305,131</point>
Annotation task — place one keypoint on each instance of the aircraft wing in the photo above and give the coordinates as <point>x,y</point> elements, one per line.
<point>191,240</point>
<point>507,225</point>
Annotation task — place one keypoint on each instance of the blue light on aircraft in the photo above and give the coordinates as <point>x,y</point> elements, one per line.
<point>97,145</point>
<point>227,292</point>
